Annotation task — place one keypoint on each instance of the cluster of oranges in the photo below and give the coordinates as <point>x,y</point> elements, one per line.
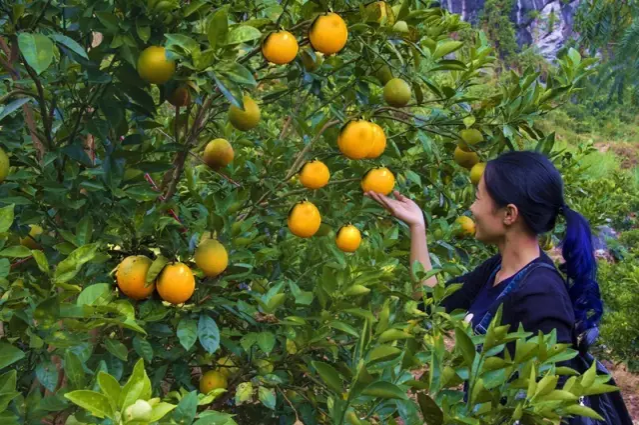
<point>175,283</point>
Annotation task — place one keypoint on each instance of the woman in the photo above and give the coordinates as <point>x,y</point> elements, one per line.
<point>519,197</point>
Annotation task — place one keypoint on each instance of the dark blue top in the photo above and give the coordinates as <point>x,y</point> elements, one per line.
<point>488,294</point>
<point>543,304</point>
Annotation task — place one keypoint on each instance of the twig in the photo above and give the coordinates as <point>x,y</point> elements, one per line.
<point>295,167</point>
<point>44,10</point>
<point>297,417</point>
<point>42,103</point>
<point>224,176</point>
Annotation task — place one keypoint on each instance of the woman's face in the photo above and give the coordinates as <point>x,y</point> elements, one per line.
<point>489,218</point>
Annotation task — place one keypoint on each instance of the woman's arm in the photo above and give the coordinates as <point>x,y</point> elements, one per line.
<point>409,212</point>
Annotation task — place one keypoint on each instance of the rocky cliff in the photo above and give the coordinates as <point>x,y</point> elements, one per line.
<point>546,24</point>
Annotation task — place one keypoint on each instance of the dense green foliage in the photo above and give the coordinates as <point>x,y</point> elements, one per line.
<point>317,335</point>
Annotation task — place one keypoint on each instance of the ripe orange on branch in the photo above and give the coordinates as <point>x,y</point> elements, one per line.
<point>348,238</point>
<point>328,34</point>
<point>304,219</point>
<point>280,47</point>
<point>356,139</point>
<point>131,277</point>
<point>465,159</point>
<point>154,67</point>
<point>211,257</point>
<point>314,175</point>
<point>380,180</point>
<point>379,142</point>
<point>218,153</point>
<point>176,283</point>
<point>247,118</point>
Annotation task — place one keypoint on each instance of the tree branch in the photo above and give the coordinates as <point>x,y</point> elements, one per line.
<point>7,64</point>
<point>295,167</point>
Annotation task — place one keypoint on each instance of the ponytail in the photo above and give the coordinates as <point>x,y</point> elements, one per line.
<point>581,269</point>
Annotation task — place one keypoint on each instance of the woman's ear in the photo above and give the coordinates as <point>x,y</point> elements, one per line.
<point>511,213</point>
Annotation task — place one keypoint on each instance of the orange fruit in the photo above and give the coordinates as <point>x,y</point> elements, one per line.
<point>131,277</point>
<point>280,47</point>
<point>304,219</point>
<point>247,118</point>
<point>379,141</point>
<point>32,240</point>
<point>176,283</point>
<point>211,380</point>
<point>218,153</point>
<point>181,96</point>
<point>467,226</point>
<point>379,180</point>
<point>355,140</point>
<point>328,34</point>
<point>348,238</point>
<point>476,172</point>
<point>227,366</point>
<point>154,67</point>
<point>470,137</point>
<point>211,257</point>
<point>397,92</point>
<point>4,165</point>
<point>314,175</point>
<point>465,159</point>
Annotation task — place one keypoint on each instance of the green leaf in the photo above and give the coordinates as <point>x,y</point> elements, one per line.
<point>240,74</point>
<point>110,387</point>
<point>155,269</point>
<point>187,333</point>
<point>387,390</point>
<point>393,335</point>
<point>382,353</point>
<point>71,44</point>
<point>13,106</point>
<point>70,266</point>
<point>446,48</point>
<point>138,386</point>
<point>218,27</point>
<point>84,230</point>
<point>242,34</point>
<point>98,294</point>
<point>41,260</point>
<point>431,412</point>
<point>267,397</point>
<point>230,90</point>
<point>186,43</point>
<point>243,393</point>
<point>465,345</point>
<point>47,373</point>
<point>143,348</point>
<point>160,410</point>
<point>9,355</point>
<point>17,251</point>
<point>116,348</point>
<point>186,410</point>
<point>6,217</point>
<point>266,341</point>
<point>329,375</point>
<point>37,50</point>
<point>97,404</point>
<point>208,334</point>
<point>579,410</point>
<point>73,369</point>
<point>359,312</point>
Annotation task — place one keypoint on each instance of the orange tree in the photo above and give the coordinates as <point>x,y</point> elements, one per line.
<point>176,181</point>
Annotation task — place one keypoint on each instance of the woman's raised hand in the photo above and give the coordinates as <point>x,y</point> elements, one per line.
<point>401,207</point>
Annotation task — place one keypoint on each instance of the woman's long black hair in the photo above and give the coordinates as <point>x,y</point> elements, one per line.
<point>530,181</point>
